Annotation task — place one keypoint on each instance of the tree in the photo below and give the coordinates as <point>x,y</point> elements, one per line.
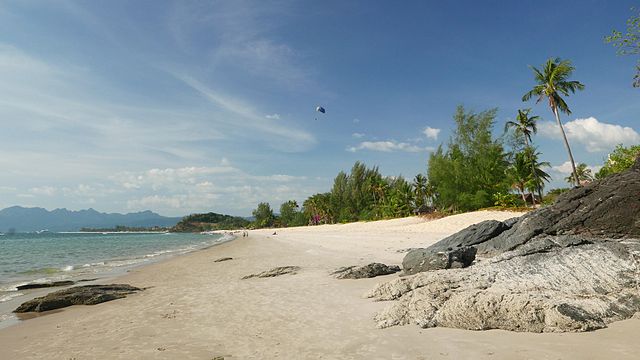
<point>289,213</point>
<point>619,160</point>
<point>539,175</point>
<point>263,215</point>
<point>525,126</point>
<point>628,43</point>
<point>553,82</point>
<point>422,192</point>
<point>519,174</point>
<point>584,174</point>
<point>471,170</point>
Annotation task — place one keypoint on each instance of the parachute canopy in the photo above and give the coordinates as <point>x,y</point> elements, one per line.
<point>320,109</point>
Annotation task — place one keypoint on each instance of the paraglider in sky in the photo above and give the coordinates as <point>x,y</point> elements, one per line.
<point>320,109</point>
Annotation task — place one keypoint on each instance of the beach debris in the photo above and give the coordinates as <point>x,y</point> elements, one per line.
<point>44,285</point>
<point>570,267</point>
<point>78,295</point>
<point>363,272</point>
<point>280,270</point>
<point>223,259</point>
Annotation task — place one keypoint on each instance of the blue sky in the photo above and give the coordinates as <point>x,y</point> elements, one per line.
<point>184,107</point>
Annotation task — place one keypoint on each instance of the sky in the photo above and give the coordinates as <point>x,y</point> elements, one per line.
<point>196,106</point>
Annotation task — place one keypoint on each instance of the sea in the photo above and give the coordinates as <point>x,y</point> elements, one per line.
<point>88,257</point>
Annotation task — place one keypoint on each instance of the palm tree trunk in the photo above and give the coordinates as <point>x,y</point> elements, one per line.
<point>566,145</point>
<point>524,197</point>
<point>535,176</point>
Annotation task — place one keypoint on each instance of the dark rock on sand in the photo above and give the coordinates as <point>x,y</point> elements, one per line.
<point>572,266</point>
<point>367,271</point>
<point>223,259</point>
<point>281,270</point>
<point>45,285</point>
<point>420,260</point>
<point>79,295</point>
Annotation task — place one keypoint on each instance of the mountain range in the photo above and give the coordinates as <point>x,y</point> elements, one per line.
<point>21,219</point>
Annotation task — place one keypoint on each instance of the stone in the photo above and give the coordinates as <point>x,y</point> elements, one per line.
<point>569,267</point>
<point>367,271</point>
<point>78,295</point>
<point>278,271</point>
<point>420,260</point>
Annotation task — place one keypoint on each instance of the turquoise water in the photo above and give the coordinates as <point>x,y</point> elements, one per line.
<point>27,258</point>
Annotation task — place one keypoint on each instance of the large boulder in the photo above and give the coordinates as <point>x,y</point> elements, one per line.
<point>572,266</point>
<point>79,295</point>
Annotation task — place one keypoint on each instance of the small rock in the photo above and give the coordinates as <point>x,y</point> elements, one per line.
<point>367,271</point>
<point>79,295</point>
<point>281,270</point>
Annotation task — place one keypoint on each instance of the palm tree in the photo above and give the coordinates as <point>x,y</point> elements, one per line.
<point>583,173</point>
<point>525,126</point>
<point>519,174</point>
<point>553,81</point>
<point>540,176</point>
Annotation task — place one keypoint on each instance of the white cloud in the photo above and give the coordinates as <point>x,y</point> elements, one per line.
<point>44,190</point>
<point>357,135</point>
<point>596,136</point>
<point>273,117</point>
<point>355,121</point>
<point>565,168</point>
<point>431,133</point>
<point>388,146</point>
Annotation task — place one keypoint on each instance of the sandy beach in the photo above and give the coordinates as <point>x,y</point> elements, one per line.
<point>195,308</point>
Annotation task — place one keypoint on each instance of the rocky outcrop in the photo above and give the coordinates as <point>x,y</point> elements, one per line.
<point>281,270</point>
<point>44,285</point>
<point>367,271</point>
<point>79,295</point>
<point>572,266</point>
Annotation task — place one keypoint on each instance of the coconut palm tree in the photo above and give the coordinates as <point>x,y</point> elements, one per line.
<point>553,83</point>
<point>540,176</point>
<point>525,125</point>
<point>519,174</point>
<point>583,173</point>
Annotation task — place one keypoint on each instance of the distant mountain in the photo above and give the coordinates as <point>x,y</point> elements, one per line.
<point>23,219</point>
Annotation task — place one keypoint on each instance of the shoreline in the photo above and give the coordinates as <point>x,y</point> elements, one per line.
<point>17,297</point>
<point>195,308</point>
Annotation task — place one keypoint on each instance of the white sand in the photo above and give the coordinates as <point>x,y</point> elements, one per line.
<point>195,308</point>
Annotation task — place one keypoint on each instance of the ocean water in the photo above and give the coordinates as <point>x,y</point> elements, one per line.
<point>31,258</point>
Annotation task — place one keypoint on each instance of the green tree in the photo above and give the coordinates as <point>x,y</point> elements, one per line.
<point>263,215</point>
<point>471,170</point>
<point>525,126</point>
<point>422,191</point>
<point>553,83</point>
<point>289,213</point>
<point>539,175</point>
<point>519,174</point>
<point>584,174</point>
<point>628,43</point>
<point>619,160</point>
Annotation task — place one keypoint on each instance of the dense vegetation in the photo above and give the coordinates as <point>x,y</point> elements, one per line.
<point>619,160</point>
<point>208,222</point>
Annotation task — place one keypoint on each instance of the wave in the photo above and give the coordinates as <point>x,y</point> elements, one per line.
<point>7,297</point>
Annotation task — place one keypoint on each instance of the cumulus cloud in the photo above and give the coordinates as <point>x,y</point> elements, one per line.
<point>431,133</point>
<point>596,136</point>
<point>388,146</point>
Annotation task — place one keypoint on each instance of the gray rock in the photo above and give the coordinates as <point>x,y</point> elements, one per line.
<point>572,266</point>
<point>367,271</point>
<point>79,295</point>
<point>428,259</point>
<point>278,271</point>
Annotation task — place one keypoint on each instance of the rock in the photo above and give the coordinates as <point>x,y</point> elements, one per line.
<point>420,260</point>
<point>223,259</point>
<point>573,266</point>
<point>455,251</point>
<point>79,295</point>
<point>367,271</point>
<point>281,270</point>
<point>45,285</point>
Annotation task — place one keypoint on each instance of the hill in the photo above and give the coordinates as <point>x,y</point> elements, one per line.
<point>23,219</point>
<point>210,221</point>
